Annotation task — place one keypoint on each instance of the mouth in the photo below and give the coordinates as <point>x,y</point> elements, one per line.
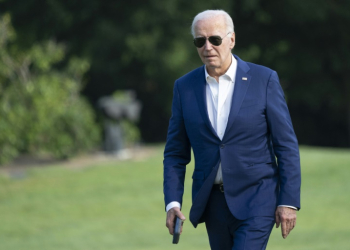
<point>209,57</point>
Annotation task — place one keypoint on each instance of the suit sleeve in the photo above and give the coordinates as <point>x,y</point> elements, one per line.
<point>284,143</point>
<point>177,153</point>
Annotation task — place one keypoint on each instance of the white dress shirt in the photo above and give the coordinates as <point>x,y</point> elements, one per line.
<point>219,99</point>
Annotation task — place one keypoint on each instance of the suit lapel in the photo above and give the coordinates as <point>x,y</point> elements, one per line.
<point>242,82</point>
<point>200,90</point>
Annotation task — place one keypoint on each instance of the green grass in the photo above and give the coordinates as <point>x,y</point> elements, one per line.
<point>120,206</point>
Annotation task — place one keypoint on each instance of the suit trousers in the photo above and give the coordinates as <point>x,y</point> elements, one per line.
<point>226,232</point>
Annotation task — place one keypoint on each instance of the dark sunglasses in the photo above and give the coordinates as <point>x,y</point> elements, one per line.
<point>214,40</point>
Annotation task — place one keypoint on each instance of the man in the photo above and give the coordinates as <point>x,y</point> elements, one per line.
<point>234,117</point>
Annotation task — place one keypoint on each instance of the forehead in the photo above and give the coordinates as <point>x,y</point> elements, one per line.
<point>210,26</point>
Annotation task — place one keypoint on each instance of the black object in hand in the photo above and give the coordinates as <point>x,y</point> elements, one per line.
<point>176,236</point>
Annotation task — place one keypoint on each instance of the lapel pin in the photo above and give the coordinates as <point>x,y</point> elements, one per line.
<point>244,78</point>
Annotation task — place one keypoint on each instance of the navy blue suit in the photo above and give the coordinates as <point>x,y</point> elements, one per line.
<point>259,151</point>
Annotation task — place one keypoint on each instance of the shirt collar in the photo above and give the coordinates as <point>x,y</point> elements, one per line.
<point>231,72</point>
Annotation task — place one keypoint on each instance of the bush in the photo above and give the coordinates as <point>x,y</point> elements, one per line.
<point>41,108</point>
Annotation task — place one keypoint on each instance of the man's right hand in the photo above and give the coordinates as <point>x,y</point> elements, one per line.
<point>170,218</point>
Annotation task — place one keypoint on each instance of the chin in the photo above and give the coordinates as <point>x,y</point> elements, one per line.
<point>212,65</point>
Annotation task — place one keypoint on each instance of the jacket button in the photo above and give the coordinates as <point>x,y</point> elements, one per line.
<point>222,146</point>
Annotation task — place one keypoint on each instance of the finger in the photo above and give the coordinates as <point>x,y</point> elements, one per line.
<point>291,226</point>
<point>277,217</point>
<point>180,215</point>
<point>170,221</point>
<point>171,230</point>
<point>170,226</point>
<point>284,229</point>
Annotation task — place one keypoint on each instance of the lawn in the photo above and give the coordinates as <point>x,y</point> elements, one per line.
<point>119,205</point>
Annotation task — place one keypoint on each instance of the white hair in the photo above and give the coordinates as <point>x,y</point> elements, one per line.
<point>213,13</point>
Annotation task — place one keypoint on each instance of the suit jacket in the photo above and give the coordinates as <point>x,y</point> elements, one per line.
<point>259,151</point>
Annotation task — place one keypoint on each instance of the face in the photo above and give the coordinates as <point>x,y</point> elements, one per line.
<point>216,58</point>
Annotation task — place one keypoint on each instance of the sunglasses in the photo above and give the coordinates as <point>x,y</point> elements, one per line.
<point>214,40</point>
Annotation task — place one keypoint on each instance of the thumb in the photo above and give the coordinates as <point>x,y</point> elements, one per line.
<point>180,215</point>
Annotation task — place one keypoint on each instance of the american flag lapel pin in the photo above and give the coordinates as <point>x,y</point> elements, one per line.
<point>244,78</point>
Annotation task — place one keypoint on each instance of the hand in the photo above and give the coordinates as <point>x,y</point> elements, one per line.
<point>170,219</point>
<point>287,217</point>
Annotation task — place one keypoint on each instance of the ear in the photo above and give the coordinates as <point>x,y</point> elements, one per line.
<point>233,40</point>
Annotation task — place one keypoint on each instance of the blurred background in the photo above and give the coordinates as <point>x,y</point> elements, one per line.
<point>58,58</point>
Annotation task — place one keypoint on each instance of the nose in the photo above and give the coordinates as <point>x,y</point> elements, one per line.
<point>208,45</point>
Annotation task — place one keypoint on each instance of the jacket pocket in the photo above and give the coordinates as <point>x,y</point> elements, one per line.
<point>260,164</point>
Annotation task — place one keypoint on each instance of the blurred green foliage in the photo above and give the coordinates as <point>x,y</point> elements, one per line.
<point>146,45</point>
<point>41,109</point>
<point>131,133</point>
<point>307,43</point>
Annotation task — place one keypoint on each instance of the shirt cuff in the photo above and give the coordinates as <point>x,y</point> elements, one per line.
<point>172,204</point>
<point>288,206</point>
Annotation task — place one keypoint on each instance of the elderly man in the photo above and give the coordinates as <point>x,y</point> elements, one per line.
<point>247,167</point>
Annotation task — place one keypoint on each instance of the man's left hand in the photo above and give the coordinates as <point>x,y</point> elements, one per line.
<point>287,217</point>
